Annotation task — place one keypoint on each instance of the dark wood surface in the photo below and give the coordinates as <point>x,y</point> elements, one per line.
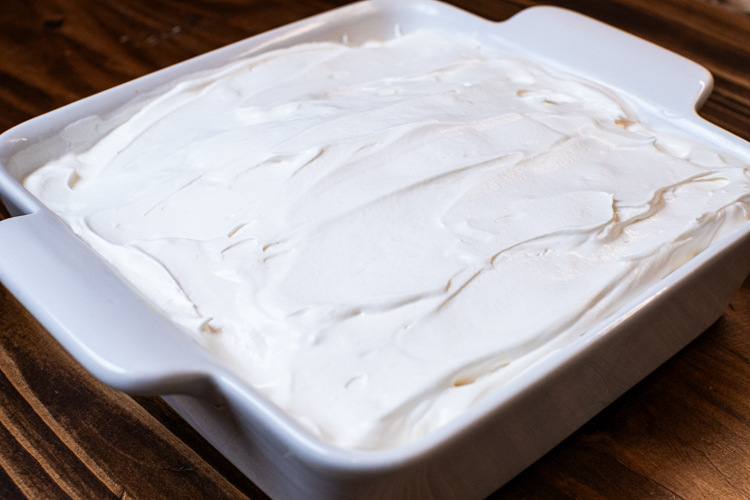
<point>684,432</point>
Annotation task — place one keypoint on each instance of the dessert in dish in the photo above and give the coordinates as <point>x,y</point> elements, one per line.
<point>377,237</point>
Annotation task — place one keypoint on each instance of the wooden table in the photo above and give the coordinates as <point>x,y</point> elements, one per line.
<point>684,432</point>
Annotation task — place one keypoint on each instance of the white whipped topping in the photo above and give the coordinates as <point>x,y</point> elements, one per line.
<point>377,237</point>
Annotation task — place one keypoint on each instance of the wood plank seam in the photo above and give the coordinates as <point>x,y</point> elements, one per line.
<point>27,487</point>
<point>17,479</point>
<point>15,377</point>
<point>7,422</point>
<point>5,471</point>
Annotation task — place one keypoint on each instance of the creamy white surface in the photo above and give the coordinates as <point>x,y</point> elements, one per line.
<point>378,237</point>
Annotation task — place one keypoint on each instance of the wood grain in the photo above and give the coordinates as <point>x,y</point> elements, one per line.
<point>684,432</point>
<point>64,434</point>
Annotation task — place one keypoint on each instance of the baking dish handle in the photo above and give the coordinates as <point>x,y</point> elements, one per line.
<point>93,313</point>
<point>674,84</point>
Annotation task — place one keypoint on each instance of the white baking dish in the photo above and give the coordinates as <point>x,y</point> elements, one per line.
<point>113,333</point>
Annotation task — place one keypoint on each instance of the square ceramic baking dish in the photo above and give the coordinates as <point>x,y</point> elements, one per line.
<point>114,333</point>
